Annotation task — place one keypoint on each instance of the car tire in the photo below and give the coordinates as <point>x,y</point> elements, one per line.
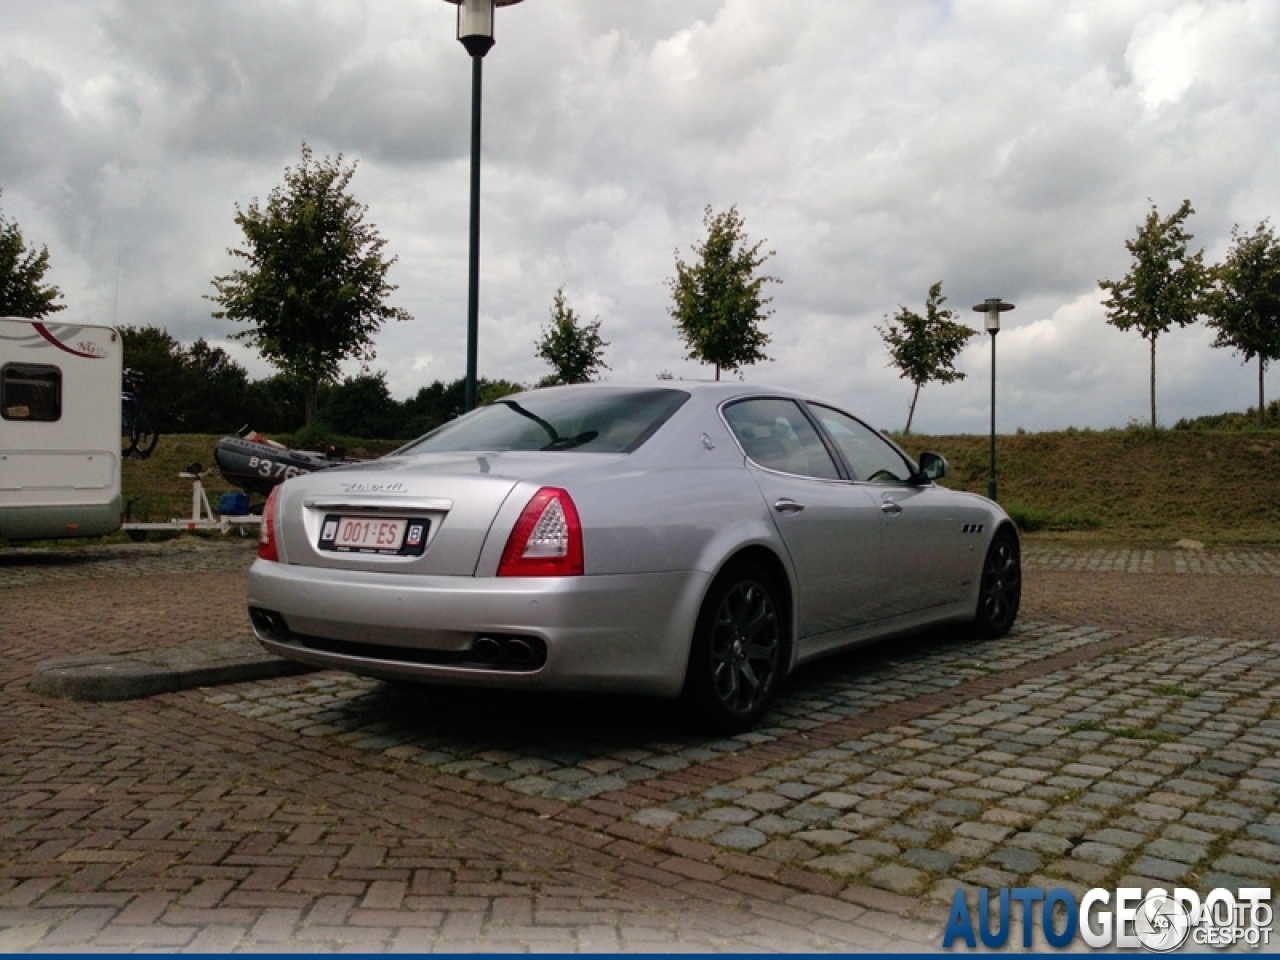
<point>739,649</point>
<point>1000,592</point>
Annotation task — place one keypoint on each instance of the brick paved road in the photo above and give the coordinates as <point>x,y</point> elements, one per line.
<point>327,812</point>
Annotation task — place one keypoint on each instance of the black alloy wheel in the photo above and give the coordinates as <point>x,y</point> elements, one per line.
<point>1001,590</point>
<point>738,647</point>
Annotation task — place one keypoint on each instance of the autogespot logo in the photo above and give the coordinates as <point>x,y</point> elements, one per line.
<point>1158,921</point>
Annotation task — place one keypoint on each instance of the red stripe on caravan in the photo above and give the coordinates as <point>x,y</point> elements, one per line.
<point>44,332</point>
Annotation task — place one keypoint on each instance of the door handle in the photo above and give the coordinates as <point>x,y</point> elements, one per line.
<point>891,508</point>
<point>787,505</point>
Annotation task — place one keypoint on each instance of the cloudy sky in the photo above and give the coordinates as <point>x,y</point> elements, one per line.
<point>1005,147</point>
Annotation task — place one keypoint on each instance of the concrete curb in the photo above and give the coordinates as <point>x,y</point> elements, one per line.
<point>145,673</point>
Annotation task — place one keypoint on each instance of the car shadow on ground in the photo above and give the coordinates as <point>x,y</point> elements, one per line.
<point>476,719</point>
<point>27,557</point>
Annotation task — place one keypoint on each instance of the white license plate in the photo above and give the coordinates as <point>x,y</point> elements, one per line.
<point>386,535</point>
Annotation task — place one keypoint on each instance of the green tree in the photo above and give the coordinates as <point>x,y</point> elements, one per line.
<point>1244,305</point>
<point>214,392</point>
<point>924,349</point>
<point>440,402</point>
<point>717,301</point>
<point>574,350</point>
<point>277,405</point>
<point>1165,286</point>
<point>195,389</point>
<point>156,355</point>
<point>316,279</point>
<point>362,407</point>
<point>23,292</point>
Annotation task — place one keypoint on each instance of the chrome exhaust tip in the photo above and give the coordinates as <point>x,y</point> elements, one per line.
<point>505,652</point>
<point>268,623</point>
<point>518,651</point>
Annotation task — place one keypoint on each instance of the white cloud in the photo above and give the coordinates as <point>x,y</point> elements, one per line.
<point>1005,147</point>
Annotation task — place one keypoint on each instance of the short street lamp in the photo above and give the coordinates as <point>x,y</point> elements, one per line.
<point>993,307</point>
<point>475,32</point>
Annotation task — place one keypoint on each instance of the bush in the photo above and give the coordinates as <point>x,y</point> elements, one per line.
<point>1027,519</point>
<point>316,438</point>
<point>1235,422</point>
<point>1032,519</point>
<point>1074,520</point>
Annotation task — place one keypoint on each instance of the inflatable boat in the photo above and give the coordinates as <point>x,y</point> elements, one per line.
<point>255,464</point>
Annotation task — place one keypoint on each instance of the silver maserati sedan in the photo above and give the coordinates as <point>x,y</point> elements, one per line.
<point>673,539</point>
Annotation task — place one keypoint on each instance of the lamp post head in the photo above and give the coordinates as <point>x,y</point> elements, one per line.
<point>993,307</point>
<point>475,23</point>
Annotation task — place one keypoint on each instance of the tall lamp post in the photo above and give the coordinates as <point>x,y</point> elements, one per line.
<point>993,307</point>
<point>475,32</point>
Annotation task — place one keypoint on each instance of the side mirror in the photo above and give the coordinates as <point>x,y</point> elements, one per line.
<point>932,467</point>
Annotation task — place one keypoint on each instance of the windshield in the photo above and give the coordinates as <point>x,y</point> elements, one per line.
<point>595,420</point>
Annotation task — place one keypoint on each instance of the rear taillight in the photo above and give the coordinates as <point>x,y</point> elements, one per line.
<point>547,539</point>
<point>267,536</point>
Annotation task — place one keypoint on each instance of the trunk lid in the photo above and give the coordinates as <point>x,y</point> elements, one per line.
<point>448,500</point>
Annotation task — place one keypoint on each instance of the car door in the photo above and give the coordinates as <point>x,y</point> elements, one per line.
<point>921,529</point>
<point>830,526</point>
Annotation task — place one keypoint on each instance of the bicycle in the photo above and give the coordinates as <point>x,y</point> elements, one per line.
<point>138,433</point>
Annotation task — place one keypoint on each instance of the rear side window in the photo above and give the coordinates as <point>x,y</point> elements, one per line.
<point>593,420</point>
<point>30,391</point>
<point>775,433</point>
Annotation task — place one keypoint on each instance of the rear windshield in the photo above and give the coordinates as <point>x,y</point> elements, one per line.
<point>593,420</point>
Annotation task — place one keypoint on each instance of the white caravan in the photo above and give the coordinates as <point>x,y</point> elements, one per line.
<point>59,429</point>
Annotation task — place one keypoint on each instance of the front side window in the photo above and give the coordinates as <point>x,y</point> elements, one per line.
<point>30,391</point>
<point>592,420</point>
<point>871,457</point>
<point>776,434</point>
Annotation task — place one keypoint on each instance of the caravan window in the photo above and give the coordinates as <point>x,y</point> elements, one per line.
<point>30,391</point>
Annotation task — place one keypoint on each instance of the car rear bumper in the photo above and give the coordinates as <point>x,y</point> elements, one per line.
<point>626,633</point>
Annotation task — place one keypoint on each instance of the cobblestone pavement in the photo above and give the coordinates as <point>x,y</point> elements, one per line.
<point>1115,739</point>
<point>1238,562</point>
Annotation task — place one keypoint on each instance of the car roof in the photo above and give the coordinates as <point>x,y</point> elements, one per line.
<point>711,389</point>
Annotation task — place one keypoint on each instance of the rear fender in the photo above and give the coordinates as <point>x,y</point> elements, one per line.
<point>755,540</point>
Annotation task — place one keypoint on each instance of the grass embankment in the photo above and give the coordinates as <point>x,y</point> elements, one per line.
<point>1124,485</point>
<point>153,491</point>
<point>1215,487</point>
